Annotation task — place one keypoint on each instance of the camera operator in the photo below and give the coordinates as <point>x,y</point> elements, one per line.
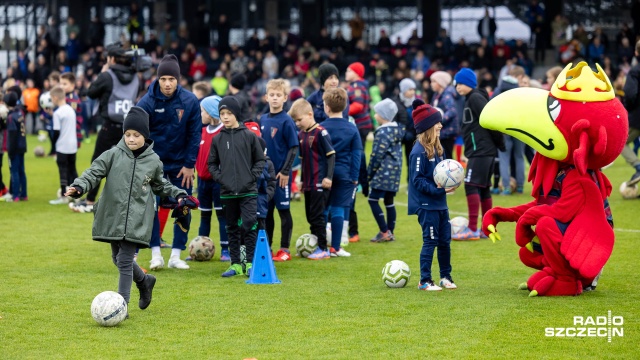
<point>116,88</point>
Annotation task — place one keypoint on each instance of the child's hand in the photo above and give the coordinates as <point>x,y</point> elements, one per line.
<point>449,190</point>
<point>283,180</point>
<point>326,183</point>
<point>71,191</point>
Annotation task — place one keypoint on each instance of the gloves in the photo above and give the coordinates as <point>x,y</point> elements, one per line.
<point>365,189</point>
<point>181,208</point>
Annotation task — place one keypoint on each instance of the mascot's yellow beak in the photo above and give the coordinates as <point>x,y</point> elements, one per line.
<point>527,114</point>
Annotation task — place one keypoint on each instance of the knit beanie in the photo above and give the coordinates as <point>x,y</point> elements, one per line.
<point>387,109</point>
<point>238,81</point>
<point>210,105</point>
<point>230,103</point>
<point>325,71</point>
<point>137,119</point>
<point>467,77</point>
<point>357,68</point>
<point>424,116</point>
<point>406,84</point>
<point>443,78</point>
<point>10,98</point>
<point>295,94</point>
<point>169,67</point>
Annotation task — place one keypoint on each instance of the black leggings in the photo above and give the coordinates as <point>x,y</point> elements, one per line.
<point>67,169</point>
<point>286,225</point>
<point>485,192</point>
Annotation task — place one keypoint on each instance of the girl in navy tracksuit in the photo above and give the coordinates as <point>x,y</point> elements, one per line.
<point>428,200</point>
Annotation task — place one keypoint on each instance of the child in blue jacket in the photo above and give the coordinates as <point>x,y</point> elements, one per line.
<point>385,165</point>
<point>428,200</point>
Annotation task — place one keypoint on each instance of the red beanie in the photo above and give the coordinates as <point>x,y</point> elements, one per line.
<point>357,68</point>
<point>424,116</point>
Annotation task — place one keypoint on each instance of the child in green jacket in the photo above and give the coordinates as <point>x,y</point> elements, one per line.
<point>125,210</point>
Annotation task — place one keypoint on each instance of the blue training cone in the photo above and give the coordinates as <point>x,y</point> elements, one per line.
<point>263,271</point>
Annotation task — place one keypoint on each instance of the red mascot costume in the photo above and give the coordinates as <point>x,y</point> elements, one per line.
<point>577,127</point>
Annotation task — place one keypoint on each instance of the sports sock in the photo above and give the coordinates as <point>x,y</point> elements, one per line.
<point>286,227</point>
<point>205,223</point>
<point>155,252</point>
<point>391,217</point>
<point>175,253</point>
<point>473,203</point>
<point>378,214</point>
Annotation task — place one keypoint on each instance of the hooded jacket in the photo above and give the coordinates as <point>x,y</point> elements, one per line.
<point>126,206</point>
<point>385,163</point>
<point>175,124</point>
<point>632,96</point>
<point>236,161</point>
<point>102,87</point>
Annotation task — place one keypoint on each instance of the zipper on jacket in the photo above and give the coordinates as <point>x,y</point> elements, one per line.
<point>133,175</point>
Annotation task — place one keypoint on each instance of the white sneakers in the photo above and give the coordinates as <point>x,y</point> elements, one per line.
<point>60,201</point>
<point>340,253</point>
<point>447,284</point>
<point>156,263</point>
<point>177,263</point>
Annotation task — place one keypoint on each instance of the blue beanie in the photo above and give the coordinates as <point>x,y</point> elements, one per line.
<point>210,105</point>
<point>467,77</point>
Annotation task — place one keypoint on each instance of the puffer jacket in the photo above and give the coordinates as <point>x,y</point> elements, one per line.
<point>385,164</point>
<point>126,207</point>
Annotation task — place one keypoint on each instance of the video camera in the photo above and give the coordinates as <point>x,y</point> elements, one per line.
<point>135,57</point>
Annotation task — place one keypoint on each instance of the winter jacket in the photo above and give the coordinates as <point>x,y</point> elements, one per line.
<point>632,96</point>
<point>236,162</point>
<point>405,120</point>
<point>266,188</point>
<point>385,163</point>
<point>102,86</point>
<point>317,104</point>
<point>16,132</point>
<point>478,141</point>
<point>175,124</point>
<point>508,83</point>
<point>446,102</point>
<point>126,207</point>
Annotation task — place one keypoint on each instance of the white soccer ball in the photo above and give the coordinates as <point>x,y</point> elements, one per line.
<point>38,151</point>
<point>396,274</point>
<point>629,192</point>
<point>109,308</point>
<point>45,101</point>
<point>458,224</point>
<point>306,244</point>
<point>448,174</point>
<point>201,248</point>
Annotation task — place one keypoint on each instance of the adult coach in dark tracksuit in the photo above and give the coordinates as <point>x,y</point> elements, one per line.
<point>116,88</point>
<point>176,126</point>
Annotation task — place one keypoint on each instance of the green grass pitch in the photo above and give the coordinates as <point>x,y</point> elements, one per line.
<point>50,271</point>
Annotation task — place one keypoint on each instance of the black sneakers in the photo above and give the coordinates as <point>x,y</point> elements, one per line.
<point>146,288</point>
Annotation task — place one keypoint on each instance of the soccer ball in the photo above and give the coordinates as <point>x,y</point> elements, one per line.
<point>448,174</point>
<point>201,248</point>
<point>458,224</point>
<point>306,244</point>
<point>629,192</point>
<point>45,101</point>
<point>109,308</point>
<point>38,151</point>
<point>396,274</point>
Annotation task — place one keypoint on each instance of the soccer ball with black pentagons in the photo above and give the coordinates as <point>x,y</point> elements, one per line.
<point>396,274</point>
<point>448,174</point>
<point>109,308</point>
<point>306,244</point>
<point>202,248</point>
